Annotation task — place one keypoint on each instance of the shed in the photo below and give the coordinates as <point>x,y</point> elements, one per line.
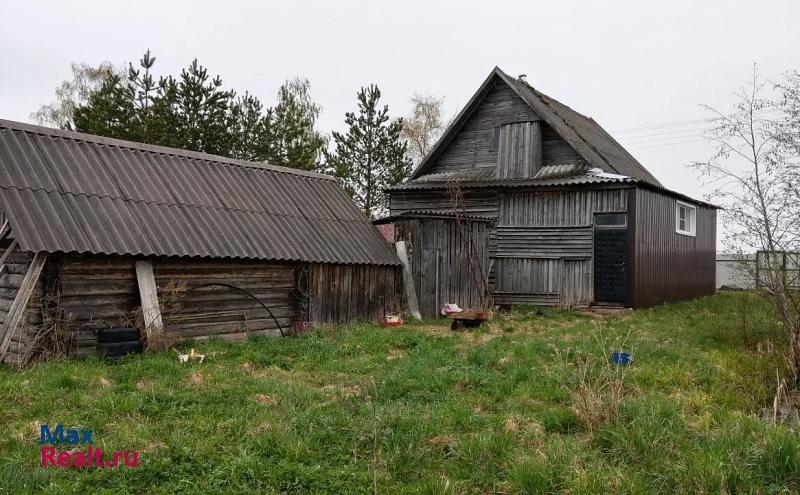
<point>101,233</point>
<point>558,212</point>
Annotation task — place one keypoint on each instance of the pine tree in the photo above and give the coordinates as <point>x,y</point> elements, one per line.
<point>371,156</point>
<point>296,143</point>
<point>194,112</point>
<point>252,130</point>
<point>201,110</point>
<point>107,112</point>
<point>143,91</point>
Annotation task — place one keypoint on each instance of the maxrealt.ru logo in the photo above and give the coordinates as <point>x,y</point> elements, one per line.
<point>75,437</point>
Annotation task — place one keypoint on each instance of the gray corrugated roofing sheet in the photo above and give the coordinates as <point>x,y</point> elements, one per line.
<point>589,178</point>
<point>70,192</point>
<point>558,171</point>
<point>563,181</point>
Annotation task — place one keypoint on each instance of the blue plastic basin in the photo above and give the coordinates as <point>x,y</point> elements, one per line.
<point>621,358</point>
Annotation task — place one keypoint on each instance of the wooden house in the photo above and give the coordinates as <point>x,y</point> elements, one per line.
<point>100,233</point>
<point>526,200</point>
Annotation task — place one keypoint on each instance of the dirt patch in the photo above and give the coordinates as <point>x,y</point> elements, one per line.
<point>265,399</point>
<point>260,429</point>
<point>434,329</point>
<point>517,424</point>
<point>441,441</point>
<point>152,447</point>
<point>396,353</point>
<point>195,378</point>
<point>345,391</point>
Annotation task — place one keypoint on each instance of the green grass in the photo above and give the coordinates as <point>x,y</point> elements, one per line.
<point>421,409</point>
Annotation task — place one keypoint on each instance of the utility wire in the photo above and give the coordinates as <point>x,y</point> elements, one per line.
<point>647,128</point>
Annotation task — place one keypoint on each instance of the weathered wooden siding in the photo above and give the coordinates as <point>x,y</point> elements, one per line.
<point>93,293</point>
<point>15,268</point>
<point>85,294</point>
<point>556,151</point>
<point>548,281</point>
<point>669,266</point>
<point>562,208</point>
<point>543,251</point>
<point>481,202</point>
<point>440,266</point>
<point>544,242</point>
<point>471,147</point>
<point>343,293</point>
<point>101,292</point>
<point>520,150</point>
<point>193,309</point>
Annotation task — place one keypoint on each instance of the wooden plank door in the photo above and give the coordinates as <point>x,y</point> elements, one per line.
<point>428,290</point>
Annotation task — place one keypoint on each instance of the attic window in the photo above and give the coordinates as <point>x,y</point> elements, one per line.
<point>685,218</point>
<point>494,138</point>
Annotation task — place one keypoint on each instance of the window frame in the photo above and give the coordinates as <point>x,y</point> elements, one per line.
<point>692,220</point>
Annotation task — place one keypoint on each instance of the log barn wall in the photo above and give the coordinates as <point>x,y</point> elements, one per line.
<point>87,293</point>
<point>16,266</point>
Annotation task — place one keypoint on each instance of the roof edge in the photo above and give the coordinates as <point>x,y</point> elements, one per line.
<point>623,182</point>
<point>152,148</point>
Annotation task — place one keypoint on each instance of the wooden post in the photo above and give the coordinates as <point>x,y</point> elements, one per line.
<point>151,312</point>
<point>5,255</point>
<point>408,280</point>
<point>17,310</point>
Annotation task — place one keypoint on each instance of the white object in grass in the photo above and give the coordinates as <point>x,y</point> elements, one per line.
<point>192,356</point>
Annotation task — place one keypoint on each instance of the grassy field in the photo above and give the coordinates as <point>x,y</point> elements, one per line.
<point>526,405</point>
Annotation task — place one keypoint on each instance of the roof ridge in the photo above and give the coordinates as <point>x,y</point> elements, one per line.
<point>153,148</point>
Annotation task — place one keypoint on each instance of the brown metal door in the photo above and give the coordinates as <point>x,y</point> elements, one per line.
<point>610,259</point>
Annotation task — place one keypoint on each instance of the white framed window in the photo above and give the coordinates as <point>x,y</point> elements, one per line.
<point>685,218</point>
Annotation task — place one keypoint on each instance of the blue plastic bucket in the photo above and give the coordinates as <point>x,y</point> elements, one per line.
<point>621,358</point>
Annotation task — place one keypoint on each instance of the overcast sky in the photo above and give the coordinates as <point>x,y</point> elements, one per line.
<point>628,64</point>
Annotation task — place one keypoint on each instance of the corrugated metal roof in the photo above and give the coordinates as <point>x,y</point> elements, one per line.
<point>563,181</point>
<point>72,192</point>
<point>559,171</point>
<point>448,213</point>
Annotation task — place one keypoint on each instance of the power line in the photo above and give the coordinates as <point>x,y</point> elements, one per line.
<point>669,144</point>
<point>644,129</point>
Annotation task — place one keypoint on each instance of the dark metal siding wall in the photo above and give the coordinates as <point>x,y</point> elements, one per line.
<point>669,266</point>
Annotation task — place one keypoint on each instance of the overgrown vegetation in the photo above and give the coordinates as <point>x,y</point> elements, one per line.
<point>421,409</point>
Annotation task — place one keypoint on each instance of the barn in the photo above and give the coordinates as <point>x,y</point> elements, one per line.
<point>99,233</point>
<point>526,201</point>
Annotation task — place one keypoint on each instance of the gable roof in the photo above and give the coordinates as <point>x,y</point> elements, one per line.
<point>77,193</point>
<point>586,136</point>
